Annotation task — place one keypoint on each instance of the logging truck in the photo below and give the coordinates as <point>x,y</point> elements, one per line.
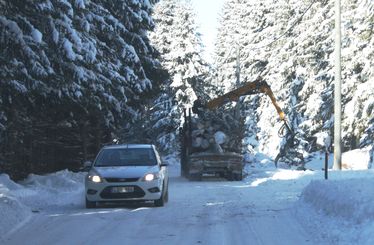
<point>211,143</point>
<point>209,148</point>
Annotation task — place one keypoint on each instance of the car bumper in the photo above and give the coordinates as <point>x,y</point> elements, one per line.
<point>142,191</point>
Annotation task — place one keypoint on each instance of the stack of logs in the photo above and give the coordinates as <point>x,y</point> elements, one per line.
<point>217,131</point>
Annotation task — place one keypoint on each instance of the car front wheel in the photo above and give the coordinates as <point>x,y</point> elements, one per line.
<point>167,196</point>
<point>160,202</point>
<point>90,204</point>
<point>163,199</point>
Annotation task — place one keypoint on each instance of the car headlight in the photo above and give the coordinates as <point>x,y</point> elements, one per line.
<point>95,178</point>
<point>151,176</point>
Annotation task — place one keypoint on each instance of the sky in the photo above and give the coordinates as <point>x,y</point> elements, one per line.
<point>207,18</point>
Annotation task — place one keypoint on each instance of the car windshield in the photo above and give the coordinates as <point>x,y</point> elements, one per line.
<point>126,157</point>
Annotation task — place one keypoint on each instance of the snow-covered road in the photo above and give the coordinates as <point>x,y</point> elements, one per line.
<point>213,211</point>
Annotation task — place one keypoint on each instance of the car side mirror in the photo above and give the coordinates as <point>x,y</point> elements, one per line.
<point>87,165</point>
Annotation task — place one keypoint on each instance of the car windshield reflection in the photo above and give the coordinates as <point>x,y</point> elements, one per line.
<point>126,157</point>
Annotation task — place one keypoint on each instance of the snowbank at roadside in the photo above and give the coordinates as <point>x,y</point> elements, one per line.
<point>63,188</point>
<point>12,211</point>
<point>18,201</point>
<point>342,208</point>
<point>349,199</point>
<point>358,159</point>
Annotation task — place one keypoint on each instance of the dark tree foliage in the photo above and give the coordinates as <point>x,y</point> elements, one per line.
<point>72,75</point>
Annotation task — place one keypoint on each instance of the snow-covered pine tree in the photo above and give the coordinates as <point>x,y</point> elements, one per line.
<point>358,73</point>
<point>73,72</point>
<point>290,43</point>
<point>315,63</point>
<point>226,46</point>
<point>177,39</point>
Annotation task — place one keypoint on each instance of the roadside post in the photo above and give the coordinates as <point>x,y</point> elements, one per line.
<point>324,140</point>
<point>326,164</point>
<point>327,144</point>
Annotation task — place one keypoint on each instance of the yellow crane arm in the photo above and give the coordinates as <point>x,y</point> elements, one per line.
<point>258,86</point>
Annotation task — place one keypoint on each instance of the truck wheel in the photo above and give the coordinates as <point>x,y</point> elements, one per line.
<point>230,176</point>
<point>235,176</point>
<point>90,204</point>
<point>238,176</point>
<point>195,177</point>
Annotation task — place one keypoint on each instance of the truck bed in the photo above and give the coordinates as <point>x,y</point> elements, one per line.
<point>229,165</point>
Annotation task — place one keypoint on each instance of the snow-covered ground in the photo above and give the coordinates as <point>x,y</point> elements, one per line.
<point>335,211</point>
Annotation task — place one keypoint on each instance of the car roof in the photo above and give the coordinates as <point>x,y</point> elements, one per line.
<point>132,146</point>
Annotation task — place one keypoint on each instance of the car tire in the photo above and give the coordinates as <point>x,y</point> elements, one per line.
<point>164,196</point>
<point>90,204</point>
<point>160,202</point>
<point>167,195</point>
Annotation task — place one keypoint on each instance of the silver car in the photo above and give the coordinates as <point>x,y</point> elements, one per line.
<point>130,172</point>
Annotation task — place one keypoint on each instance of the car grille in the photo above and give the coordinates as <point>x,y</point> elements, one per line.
<point>121,180</point>
<point>107,194</point>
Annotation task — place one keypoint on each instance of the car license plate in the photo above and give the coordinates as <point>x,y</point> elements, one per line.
<point>123,189</point>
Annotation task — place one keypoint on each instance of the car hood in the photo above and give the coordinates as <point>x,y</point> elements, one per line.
<point>125,171</point>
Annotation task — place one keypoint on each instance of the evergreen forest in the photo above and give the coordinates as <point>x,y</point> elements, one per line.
<point>79,74</point>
